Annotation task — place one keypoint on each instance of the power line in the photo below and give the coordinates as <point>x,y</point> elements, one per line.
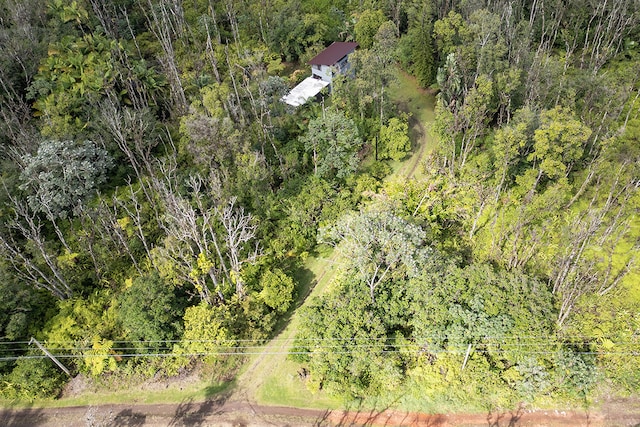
<point>235,351</point>
<point>541,338</point>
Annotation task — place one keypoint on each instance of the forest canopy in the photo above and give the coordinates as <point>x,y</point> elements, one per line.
<point>158,196</point>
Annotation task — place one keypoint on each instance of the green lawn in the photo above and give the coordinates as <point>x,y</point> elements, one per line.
<point>420,104</point>
<point>271,378</point>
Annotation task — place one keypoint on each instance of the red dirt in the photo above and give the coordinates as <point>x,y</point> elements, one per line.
<point>218,412</point>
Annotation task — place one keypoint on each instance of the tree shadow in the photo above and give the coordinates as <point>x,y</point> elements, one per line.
<point>379,416</point>
<point>306,281</point>
<point>26,417</point>
<point>505,418</point>
<point>194,414</point>
<point>128,418</point>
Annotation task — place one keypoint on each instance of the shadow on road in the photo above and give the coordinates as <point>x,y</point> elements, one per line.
<point>128,418</point>
<point>194,414</point>
<point>505,418</point>
<point>22,417</point>
<point>385,416</point>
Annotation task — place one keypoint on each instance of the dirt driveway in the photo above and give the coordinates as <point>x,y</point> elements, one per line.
<point>219,412</point>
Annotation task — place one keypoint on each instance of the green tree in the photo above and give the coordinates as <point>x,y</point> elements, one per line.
<point>63,174</point>
<point>150,312</point>
<point>278,290</point>
<point>206,331</point>
<point>558,143</point>
<point>78,73</point>
<point>378,246</point>
<point>334,142</point>
<point>394,139</point>
<point>343,341</point>
<point>417,49</point>
<point>367,24</point>
<point>32,378</point>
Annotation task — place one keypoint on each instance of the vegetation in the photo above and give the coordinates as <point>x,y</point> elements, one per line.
<point>159,201</point>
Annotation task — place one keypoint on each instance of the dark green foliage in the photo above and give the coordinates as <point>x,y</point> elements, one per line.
<point>416,48</point>
<point>343,341</point>
<point>333,143</point>
<point>150,312</point>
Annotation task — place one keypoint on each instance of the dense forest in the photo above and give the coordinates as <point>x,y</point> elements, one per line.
<point>159,200</point>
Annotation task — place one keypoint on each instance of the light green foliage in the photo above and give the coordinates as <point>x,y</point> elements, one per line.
<point>394,139</point>
<point>79,72</point>
<point>150,312</point>
<point>451,32</point>
<point>75,74</point>
<point>367,24</point>
<point>378,246</point>
<point>32,379</point>
<point>333,141</point>
<point>490,45</point>
<point>63,174</point>
<point>509,142</point>
<point>84,327</point>
<point>97,359</point>
<point>612,321</point>
<point>558,142</point>
<point>206,331</point>
<point>278,290</point>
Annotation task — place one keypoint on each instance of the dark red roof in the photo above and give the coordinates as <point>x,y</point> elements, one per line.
<point>334,53</point>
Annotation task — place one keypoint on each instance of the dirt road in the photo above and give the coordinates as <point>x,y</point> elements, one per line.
<point>219,412</point>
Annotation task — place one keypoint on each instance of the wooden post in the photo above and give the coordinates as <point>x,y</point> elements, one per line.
<point>466,357</point>
<point>50,356</point>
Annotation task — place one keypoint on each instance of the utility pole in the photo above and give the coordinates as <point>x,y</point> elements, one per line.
<point>466,357</point>
<point>50,356</point>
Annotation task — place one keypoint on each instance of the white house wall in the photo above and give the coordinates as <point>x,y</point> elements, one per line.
<point>323,72</point>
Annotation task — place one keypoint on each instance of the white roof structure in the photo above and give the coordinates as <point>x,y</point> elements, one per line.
<point>308,88</point>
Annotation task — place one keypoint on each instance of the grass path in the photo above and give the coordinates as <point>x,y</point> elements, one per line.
<point>420,104</point>
<point>270,378</point>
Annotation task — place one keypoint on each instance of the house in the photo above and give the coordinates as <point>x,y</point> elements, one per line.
<point>324,66</point>
<point>332,60</point>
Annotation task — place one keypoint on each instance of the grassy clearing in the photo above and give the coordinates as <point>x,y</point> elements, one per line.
<point>271,378</point>
<point>412,99</point>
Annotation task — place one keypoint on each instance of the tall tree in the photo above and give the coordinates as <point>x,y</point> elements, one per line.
<point>333,142</point>
<point>379,245</point>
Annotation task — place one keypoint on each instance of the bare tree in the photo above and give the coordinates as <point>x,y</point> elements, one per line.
<point>166,22</point>
<point>240,230</point>
<point>579,270</point>
<point>42,273</point>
